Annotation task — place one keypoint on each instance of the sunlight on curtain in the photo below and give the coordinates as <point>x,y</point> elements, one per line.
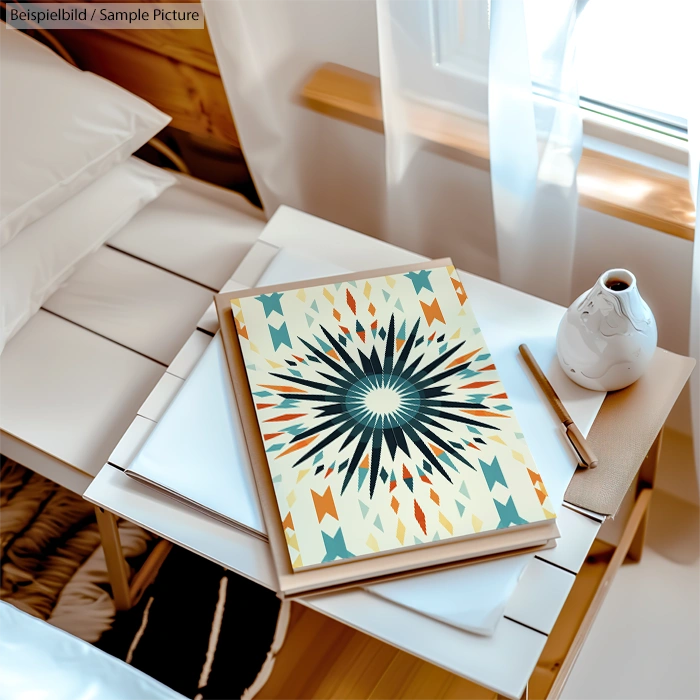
<point>433,59</point>
<point>493,84</point>
<point>535,136</point>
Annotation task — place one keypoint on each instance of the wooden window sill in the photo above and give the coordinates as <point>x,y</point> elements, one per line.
<point>607,184</point>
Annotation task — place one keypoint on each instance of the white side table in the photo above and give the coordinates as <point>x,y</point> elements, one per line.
<point>502,662</point>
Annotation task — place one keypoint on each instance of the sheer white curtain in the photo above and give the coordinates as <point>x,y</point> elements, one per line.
<point>694,182</point>
<point>266,51</point>
<point>494,83</point>
<point>694,164</point>
<point>481,145</point>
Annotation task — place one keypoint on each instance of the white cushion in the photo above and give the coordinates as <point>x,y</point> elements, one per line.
<point>35,263</point>
<point>62,128</point>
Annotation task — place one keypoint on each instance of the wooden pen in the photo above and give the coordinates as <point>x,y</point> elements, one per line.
<point>586,457</point>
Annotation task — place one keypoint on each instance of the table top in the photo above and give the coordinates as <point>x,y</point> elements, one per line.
<point>526,593</point>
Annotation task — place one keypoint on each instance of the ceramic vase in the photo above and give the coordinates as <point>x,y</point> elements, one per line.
<point>608,335</point>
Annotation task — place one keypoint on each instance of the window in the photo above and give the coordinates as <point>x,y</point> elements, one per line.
<point>637,61</point>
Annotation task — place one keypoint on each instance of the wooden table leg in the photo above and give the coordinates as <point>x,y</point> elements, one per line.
<point>647,477</point>
<point>147,573</point>
<point>117,568</point>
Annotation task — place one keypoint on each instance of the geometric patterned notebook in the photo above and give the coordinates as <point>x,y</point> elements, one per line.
<point>384,422</point>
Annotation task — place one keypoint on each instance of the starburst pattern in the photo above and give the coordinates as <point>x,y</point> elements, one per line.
<point>373,402</point>
<point>383,417</point>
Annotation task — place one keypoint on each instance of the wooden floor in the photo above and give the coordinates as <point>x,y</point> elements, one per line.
<point>324,659</point>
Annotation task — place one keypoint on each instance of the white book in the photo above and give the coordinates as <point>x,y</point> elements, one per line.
<point>197,452</point>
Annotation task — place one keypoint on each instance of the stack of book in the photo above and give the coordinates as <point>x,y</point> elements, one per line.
<point>372,423</point>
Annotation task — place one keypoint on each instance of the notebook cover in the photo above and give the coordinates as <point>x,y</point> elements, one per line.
<point>624,431</point>
<point>447,477</point>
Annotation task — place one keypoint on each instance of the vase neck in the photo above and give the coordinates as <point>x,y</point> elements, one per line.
<point>619,290</point>
<point>618,282</point>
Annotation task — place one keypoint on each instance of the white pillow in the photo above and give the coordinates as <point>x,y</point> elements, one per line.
<point>36,262</point>
<point>61,129</point>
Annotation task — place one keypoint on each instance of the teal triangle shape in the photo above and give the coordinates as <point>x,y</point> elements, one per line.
<point>309,320</point>
<point>314,305</point>
<point>398,305</point>
<point>467,373</point>
<point>460,508</point>
<point>463,490</point>
<point>364,509</point>
<point>386,295</point>
<point>362,475</point>
<point>378,523</point>
<point>436,537</point>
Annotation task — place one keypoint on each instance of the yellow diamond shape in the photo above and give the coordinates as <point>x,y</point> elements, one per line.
<point>236,302</point>
<point>301,294</point>
<point>372,543</point>
<point>328,295</point>
<point>292,540</point>
<point>302,474</point>
<point>497,438</point>
<point>445,523</point>
<point>455,335</point>
<point>400,531</point>
<point>391,281</point>
<point>291,498</point>
<point>297,562</point>
<point>519,457</point>
<point>476,523</point>
<point>368,289</point>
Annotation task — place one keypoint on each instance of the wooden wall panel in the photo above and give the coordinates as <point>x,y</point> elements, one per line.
<point>192,95</point>
<point>191,46</point>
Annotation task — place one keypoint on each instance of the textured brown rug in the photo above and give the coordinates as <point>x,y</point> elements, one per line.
<point>192,629</point>
<point>51,564</point>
